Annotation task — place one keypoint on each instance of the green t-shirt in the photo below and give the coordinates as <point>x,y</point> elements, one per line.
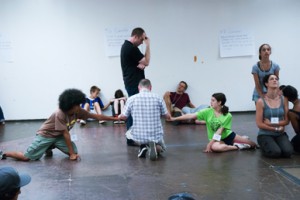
<point>213,123</point>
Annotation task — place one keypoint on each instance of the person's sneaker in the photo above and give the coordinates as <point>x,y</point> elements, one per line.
<point>82,122</point>
<point>49,153</point>
<point>115,122</point>
<point>176,114</point>
<point>242,146</point>
<point>101,121</point>
<point>143,151</point>
<point>2,155</point>
<point>153,152</point>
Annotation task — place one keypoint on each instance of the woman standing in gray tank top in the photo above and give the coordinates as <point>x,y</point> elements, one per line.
<point>271,119</point>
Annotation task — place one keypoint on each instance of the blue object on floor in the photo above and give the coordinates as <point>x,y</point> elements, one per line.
<point>181,196</point>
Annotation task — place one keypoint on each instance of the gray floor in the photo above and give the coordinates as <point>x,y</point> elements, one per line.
<point>110,170</point>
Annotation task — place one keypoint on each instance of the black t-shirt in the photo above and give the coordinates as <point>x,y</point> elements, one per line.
<point>130,57</point>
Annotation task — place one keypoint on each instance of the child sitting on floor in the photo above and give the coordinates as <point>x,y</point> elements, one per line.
<point>118,105</point>
<point>94,104</point>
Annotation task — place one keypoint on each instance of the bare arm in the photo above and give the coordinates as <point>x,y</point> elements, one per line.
<point>168,102</point>
<point>209,145</point>
<point>106,106</point>
<point>146,59</point>
<point>102,117</point>
<point>73,155</point>
<point>295,122</point>
<point>184,117</point>
<point>257,85</point>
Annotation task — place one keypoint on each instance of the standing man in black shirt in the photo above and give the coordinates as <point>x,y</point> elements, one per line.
<point>133,63</point>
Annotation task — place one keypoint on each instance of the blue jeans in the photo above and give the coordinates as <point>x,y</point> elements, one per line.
<point>188,110</point>
<point>130,91</point>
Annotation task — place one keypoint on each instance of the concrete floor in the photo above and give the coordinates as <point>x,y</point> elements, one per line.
<point>110,170</point>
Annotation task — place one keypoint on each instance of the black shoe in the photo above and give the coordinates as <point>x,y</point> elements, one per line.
<point>143,151</point>
<point>49,153</point>
<point>131,142</point>
<point>176,114</point>
<point>2,155</point>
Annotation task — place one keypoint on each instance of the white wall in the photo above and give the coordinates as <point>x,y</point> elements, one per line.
<point>59,44</point>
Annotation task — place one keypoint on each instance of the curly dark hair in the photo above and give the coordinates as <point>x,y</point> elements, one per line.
<point>290,92</point>
<point>70,98</point>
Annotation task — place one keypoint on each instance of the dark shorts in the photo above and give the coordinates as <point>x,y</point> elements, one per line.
<point>230,138</point>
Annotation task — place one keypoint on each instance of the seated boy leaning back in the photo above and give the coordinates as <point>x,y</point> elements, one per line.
<point>54,133</point>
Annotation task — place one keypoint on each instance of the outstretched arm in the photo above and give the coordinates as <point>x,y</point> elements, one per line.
<point>101,117</point>
<point>184,117</point>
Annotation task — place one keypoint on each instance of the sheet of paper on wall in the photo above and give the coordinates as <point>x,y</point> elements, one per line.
<point>236,42</point>
<point>114,39</point>
<point>5,49</point>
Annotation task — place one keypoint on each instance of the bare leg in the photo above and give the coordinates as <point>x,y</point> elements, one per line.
<point>222,147</point>
<point>97,108</point>
<point>122,103</point>
<point>16,155</point>
<point>86,107</point>
<point>116,104</point>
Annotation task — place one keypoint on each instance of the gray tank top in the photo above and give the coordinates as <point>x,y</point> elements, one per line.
<point>272,112</point>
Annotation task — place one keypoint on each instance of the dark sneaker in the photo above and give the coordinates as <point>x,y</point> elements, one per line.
<point>143,151</point>
<point>49,153</point>
<point>153,152</point>
<point>2,155</point>
<point>176,114</point>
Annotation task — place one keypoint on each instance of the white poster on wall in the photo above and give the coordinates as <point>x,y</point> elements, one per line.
<point>5,49</point>
<point>114,39</point>
<point>236,42</point>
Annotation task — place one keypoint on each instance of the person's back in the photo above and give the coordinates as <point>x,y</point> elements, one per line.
<point>146,108</point>
<point>146,115</point>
